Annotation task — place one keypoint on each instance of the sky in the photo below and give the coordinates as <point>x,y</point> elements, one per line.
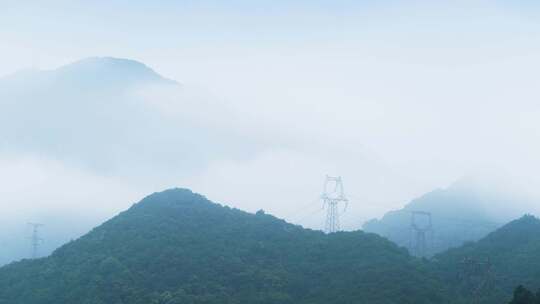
<point>397,97</point>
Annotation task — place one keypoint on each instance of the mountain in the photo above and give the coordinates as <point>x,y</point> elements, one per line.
<point>92,72</point>
<point>94,122</point>
<point>83,114</point>
<point>177,247</point>
<point>89,113</point>
<point>524,296</point>
<point>490,269</point>
<point>461,213</point>
<point>109,71</point>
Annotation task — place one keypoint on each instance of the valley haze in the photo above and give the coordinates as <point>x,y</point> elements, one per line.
<point>425,113</point>
<point>105,130</point>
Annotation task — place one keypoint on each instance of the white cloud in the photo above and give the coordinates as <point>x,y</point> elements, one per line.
<point>398,99</point>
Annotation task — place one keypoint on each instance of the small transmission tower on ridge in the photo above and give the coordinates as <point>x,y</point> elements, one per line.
<point>333,194</point>
<point>420,230</point>
<point>35,239</point>
<point>478,276</point>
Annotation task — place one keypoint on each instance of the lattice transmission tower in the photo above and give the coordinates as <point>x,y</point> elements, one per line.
<point>477,278</point>
<point>420,231</point>
<point>35,239</point>
<point>332,196</point>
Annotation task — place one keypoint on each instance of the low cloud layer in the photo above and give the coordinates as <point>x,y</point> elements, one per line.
<point>395,101</point>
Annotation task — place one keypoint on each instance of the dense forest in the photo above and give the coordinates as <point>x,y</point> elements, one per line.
<point>524,296</point>
<point>177,247</point>
<point>491,268</point>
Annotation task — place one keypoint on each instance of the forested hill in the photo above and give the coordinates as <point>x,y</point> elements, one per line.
<point>490,269</point>
<point>178,247</point>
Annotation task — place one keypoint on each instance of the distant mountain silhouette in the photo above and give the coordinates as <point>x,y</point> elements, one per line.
<point>106,113</point>
<point>106,117</point>
<point>177,247</point>
<point>463,212</point>
<point>88,72</point>
<point>96,68</point>
<point>110,71</point>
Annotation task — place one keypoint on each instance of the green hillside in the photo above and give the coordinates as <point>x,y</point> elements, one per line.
<point>178,247</point>
<point>490,269</point>
<point>523,295</point>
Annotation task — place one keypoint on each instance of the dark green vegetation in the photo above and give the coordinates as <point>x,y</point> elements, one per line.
<point>462,213</point>
<point>178,247</point>
<point>524,296</point>
<point>491,268</point>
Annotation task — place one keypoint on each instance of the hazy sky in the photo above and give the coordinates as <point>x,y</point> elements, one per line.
<point>398,97</point>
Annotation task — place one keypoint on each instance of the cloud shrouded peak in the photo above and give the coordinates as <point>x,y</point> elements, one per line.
<point>114,116</point>
<point>117,71</point>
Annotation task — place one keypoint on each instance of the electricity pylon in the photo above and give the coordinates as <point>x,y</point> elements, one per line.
<point>419,246</point>
<point>332,195</point>
<point>477,276</point>
<point>35,239</point>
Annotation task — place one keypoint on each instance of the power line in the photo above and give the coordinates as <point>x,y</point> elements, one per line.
<point>457,220</point>
<point>485,223</point>
<point>371,204</point>
<point>300,210</point>
<point>318,210</point>
<point>478,277</point>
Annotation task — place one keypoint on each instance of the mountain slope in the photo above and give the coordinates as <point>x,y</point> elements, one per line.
<point>109,71</point>
<point>491,268</point>
<point>89,113</point>
<point>92,72</point>
<point>106,120</point>
<point>178,247</point>
<point>83,114</point>
<point>463,212</point>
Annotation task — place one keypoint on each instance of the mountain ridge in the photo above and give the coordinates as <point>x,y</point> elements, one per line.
<point>460,213</point>
<point>178,246</point>
<point>92,71</point>
<point>120,68</point>
<point>490,268</point>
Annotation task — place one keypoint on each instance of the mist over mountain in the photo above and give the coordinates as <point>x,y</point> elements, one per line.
<point>108,72</point>
<point>177,247</point>
<point>96,72</point>
<point>466,211</point>
<point>363,152</point>
<point>88,128</point>
<point>90,113</point>
<point>102,129</point>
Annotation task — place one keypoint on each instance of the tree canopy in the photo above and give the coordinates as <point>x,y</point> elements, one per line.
<point>178,247</point>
